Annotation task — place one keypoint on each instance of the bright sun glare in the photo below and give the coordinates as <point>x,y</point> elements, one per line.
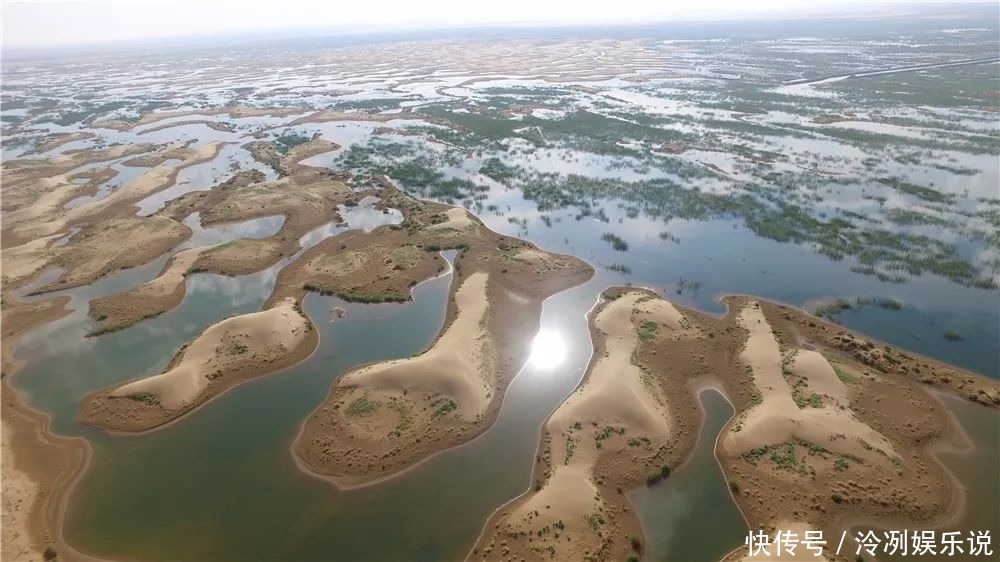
<point>548,350</point>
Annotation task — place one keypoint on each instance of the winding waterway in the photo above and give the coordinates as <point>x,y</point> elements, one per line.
<point>221,484</point>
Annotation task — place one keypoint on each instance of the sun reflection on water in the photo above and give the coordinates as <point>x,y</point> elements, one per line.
<point>548,350</point>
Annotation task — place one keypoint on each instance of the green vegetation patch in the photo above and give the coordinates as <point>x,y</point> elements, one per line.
<point>361,406</point>
<point>443,407</point>
<point>147,398</point>
<point>648,330</point>
<point>616,242</point>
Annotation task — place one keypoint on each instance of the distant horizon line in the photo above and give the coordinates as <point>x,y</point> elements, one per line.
<point>323,31</point>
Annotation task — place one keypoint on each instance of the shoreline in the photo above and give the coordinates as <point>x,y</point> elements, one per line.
<point>65,492</point>
<point>956,506</point>
<point>47,513</point>
<point>879,343</point>
<point>304,467</point>
<point>231,375</point>
<point>708,384</point>
<point>540,433</point>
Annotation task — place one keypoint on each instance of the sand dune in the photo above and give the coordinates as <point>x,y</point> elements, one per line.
<point>173,275</point>
<point>23,261</point>
<point>458,219</point>
<point>226,347</point>
<point>615,405</point>
<point>778,419</point>
<point>220,357</point>
<point>458,365</point>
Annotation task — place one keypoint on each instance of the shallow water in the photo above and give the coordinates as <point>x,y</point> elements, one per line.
<point>691,516</point>
<point>227,467</point>
<point>977,468</point>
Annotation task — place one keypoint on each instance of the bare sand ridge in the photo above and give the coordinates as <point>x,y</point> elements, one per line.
<point>459,366</point>
<point>376,424</point>
<point>25,261</point>
<point>834,429</point>
<point>633,417</point>
<point>778,419</point>
<point>816,441</point>
<point>452,383</point>
<point>617,404</point>
<point>458,219</point>
<point>223,355</point>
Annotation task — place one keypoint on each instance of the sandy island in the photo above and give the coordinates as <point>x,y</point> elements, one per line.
<point>381,419</point>
<point>817,440</point>
<point>222,356</point>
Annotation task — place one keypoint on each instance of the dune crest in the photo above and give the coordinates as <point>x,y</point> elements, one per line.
<point>824,421</point>
<point>223,355</point>
<point>618,424</point>
<point>457,365</point>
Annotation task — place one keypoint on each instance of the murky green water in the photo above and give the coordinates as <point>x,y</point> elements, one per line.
<point>691,516</point>
<point>222,485</point>
<point>978,469</point>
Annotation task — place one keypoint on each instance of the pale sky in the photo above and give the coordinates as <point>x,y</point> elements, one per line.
<point>51,23</point>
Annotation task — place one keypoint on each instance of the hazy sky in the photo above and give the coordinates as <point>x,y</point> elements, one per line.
<point>41,22</point>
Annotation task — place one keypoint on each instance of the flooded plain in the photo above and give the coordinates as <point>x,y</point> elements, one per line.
<point>872,188</point>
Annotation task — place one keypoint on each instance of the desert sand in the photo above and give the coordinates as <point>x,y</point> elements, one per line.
<point>152,298</point>
<point>451,385</point>
<point>457,366</point>
<point>458,219</point>
<point>223,355</point>
<point>628,421</point>
<point>371,428</point>
<point>614,402</point>
<point>834,428</point>
<point>816,441</point>
<point>778,419</point>
<point>19,494</point>
<point>39,469</point>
